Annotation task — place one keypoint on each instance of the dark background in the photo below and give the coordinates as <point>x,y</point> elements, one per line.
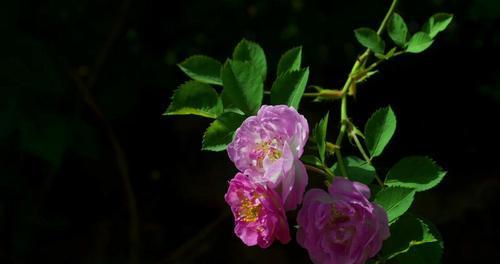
<point>83,85</point>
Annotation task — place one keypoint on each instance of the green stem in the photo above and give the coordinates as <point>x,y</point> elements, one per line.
<point>360,147</point>
<point>387,16</point>
<point>338,153</point>
<point>311,94</point>
<point>375,64</point>
<point>361,61</point>
<point>322,171</point>
<point>401,52</point>
<point>367,159</point>
<point>328,171</point>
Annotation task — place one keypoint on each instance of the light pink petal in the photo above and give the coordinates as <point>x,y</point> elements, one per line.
<point>297,188</point>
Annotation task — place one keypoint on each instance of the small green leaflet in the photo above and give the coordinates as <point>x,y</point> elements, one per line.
<point>416,172</point>
<point>220,133</point>
<point>413,240</point>
<point>379,130</point>
<point>243,87</point>
<point>370,39</point>
<point>313,160</point>
<point>250,51</point>
<point>320,136</point>
<point>419,42</point>
<point>195,98</point>
<point>290,61</point>
<point>395,200</point>
<point>357,169</point>
<point>437,23</point>
<point>397,30</point>
<point>289,87</point>
<point>202,68</point>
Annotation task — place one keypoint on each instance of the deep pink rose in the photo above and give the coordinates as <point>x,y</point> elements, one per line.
<point>267,147</point>
<point>341,226</point>
<point>258,212</point>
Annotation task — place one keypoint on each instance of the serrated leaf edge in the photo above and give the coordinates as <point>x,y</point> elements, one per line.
<point>190,110</point>
<point>185,70</point>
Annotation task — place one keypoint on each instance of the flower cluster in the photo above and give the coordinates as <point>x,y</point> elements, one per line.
<point>266,149</point>
<point>340,226</point>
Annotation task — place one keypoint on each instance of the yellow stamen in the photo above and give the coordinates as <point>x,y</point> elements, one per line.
<point>268,149</point>
<point>249,211</point>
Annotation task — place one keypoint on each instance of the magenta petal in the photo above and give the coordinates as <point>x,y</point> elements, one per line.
<point>258,212</point>
<point>363,189</point>
<point>343,186</point>
<point>341,226</point>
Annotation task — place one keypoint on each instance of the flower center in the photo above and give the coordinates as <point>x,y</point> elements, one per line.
<point>268,148</point>
<point>342,233</point>
<point>250,209</point>
<point>337,217</point>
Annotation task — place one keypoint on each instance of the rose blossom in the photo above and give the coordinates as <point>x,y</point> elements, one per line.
<point>258,212</point>
<point>341,226</point>
<point>267,147</point>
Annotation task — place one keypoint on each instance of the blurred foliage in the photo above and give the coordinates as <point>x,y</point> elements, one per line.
<point>61,198</point>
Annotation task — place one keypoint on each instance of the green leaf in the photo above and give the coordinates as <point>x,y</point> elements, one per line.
<point>370,39</point>
<point>417,172</point>
<point>357,169</point>
<point>397,29</point>
<point>290,61</point>
<point>289,87</point>
<point>419,42</point>
<point>250,51</point>
<point>243,87</point>
<point>313,160</point>
<point>220,133</point>
<point>395,200</point>
<point>437,23</point>
<point>320,136</point>
<point>379,129</point>
<point>202,68</point>
<point>413,240</point>
<point>195,98</point>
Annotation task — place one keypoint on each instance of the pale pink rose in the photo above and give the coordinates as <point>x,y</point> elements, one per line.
<point>267,147</point>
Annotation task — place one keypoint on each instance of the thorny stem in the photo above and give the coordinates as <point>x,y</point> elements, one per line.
<point>372,66</point>
<point>361,61</point>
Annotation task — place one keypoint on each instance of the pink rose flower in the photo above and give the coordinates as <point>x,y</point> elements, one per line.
<point>267,147</point>
<point>258,212</point>
<point>341,226</point>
